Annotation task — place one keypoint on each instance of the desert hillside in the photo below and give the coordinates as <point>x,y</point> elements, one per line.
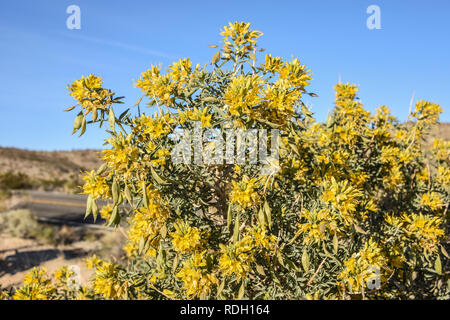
<point>60,170</point>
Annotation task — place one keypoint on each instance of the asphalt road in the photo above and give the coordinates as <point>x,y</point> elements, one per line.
<point>56,207</point>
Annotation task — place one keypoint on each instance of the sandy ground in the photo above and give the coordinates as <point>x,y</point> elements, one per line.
<point>18,256</point>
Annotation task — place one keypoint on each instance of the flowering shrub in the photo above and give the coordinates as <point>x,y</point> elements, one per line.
<point>357,208</point>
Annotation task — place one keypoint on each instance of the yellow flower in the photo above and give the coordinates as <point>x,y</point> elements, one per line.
<point>106,281</point>
<point>427,112</point>
<point>122,157</point>
<point>36,286</point>
<point>318,224</point>
<point>243,93</point>
<point>145,225</point>
<point>89,94</point>
<point>105,211</point>
<point>443,177</point>
<point>244,193</point>
<point>236,258</point>
<point>261,239</point>
<point>238,36</point>
<point>197,281</point>
<point>424,230</point>
<point>431,200</point>
<point>343,197</point>
<point>362,266</point>
<point>186,239</point>
<point>92,262</point>
<point>95,185</point>
<point>273,64</point>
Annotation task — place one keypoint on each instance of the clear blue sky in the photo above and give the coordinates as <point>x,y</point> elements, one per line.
<point>39,56</point>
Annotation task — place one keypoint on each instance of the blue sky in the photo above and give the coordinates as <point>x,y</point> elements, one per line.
<point>118,40</point>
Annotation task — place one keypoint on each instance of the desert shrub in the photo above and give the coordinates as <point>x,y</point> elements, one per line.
<point>353,208</point>
<point>15,180</point>
<point>47,234</point>
<point>66,235</point>
<point>18,223</point>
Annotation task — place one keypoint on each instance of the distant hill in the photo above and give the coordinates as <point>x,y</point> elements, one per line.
<point>51,170</point>
<point>441,131</point>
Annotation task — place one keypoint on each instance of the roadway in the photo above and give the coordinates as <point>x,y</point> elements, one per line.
<point>56,207</point>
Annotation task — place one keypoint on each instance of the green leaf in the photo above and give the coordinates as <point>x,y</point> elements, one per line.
<point>78,122</point>
<point>83,126</point>
<point>175,264</point>
<point>229,217</point>
<point>144,195</point>
<point>260,270</point>
<point>305,260</point>
<point>163,231</point>
<point>112,120</point>
<point>139,101</point>
<point>444,252</point>
<point>88,206</point>
<point>438,265</point>
<point>236,228</point>
<point>335,244</point>
<point>280,258</point>
<point>241,291</point>
<point>70,108</point>
<point>102,169</point>
<point>358,229</point>
<point>115,216</point>
<point>115,191</point>
<point>220,288</point>
<point>141,245</point>
<point>94,210</point>
<point>216,58</point>
<point>156,176</point>
<point>128,195</point>
<point>261,218</point>
<point>94,115</point>
<point>268,213</point>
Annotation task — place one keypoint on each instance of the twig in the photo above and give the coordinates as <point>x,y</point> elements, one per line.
<point>317,271</point>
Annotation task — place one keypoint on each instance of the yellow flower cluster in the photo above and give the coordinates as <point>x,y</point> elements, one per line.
<point>162,87</point>
<point>427,112</point>
<point>197,281</point>
<point>236,258</point>
<point>122,157</point>
<point>361,267</point>
<point>105,281</point>
<point>195,114</point>
<point>424,231</point>
<point>319,223</point>
<point>343,197</point>
<point>431,200</point>
<point>186,239</point>
<point>95,185</point>
<point>36,286</point>
<point>90,95</point>
<point>243,93</point>
<point>238,38</point>
<point>154,127</point>
<point>244,193</point>
<point>441,150</point>
<point>145,225</point>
